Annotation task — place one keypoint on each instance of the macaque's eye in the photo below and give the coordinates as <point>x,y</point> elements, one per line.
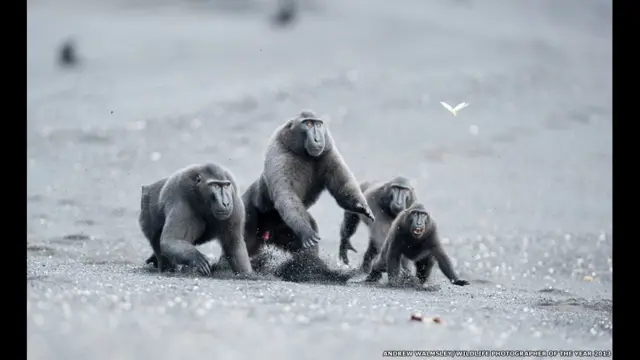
<point>319,124</point>
<point>198,178</point>
<point>309,123</point>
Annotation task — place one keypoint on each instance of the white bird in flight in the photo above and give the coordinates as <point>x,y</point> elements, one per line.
<point>454,110</point>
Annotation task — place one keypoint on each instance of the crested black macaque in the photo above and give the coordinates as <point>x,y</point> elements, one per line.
<point>193,206</point>
<point>413,235</point>
<point>386,201</point>
<point>301,162</point>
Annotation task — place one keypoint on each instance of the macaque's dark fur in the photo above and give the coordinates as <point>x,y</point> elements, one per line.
<point>191,207</point>
<point>306,266</point>
<point>422,247</point>
<point>301,162</point>
<point>301,266</point>
<point>386,200</point>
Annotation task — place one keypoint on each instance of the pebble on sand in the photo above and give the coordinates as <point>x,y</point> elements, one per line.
<point>420,318</point>
<point>588,278</point>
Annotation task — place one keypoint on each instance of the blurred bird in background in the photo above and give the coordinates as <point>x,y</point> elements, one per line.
<point>67,54</point>
<point>286,14</point>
